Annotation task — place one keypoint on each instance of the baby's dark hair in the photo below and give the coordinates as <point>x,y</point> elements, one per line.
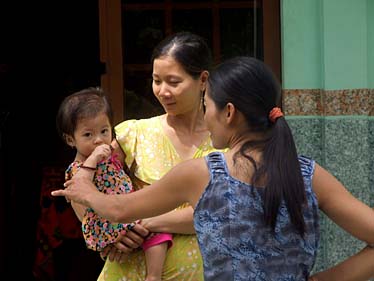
<point>252,88</point>
<point>86,103</point>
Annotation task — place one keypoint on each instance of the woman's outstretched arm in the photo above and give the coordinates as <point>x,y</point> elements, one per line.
<point>342,207</point>
<point>353,216</point>
<point>183,183</point>
<point>359,267</point>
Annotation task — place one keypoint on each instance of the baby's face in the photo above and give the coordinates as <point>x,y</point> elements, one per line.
<point>92,132</point>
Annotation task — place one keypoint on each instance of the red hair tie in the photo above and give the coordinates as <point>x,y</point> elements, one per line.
<point>274,114</point>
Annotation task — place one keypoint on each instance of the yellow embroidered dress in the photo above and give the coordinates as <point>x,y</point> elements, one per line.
<point>144,142</point>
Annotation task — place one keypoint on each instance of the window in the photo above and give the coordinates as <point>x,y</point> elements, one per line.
<point>230,27</point>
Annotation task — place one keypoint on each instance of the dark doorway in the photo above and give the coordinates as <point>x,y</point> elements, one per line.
<point>48,50</point>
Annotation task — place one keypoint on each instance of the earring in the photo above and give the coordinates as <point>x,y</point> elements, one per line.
<point>202,106</point>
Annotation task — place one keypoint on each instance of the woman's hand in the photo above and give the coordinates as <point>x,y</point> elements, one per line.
<point>127,242</point>
<point>77,189</point>
<point>176,221</point>
<point>147,223</point>
<point>358,267</point>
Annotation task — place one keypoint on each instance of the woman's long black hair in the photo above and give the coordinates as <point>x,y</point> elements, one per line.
<point>251,87</point>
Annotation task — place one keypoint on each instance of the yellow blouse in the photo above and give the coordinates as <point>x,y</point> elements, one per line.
<point>145,144</point>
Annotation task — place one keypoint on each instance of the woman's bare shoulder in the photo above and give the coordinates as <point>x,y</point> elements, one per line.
<point>192,166</point>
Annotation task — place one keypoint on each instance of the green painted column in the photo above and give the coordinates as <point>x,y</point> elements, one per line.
<point>345,44</point>
<point>328,99</point>
<point>370,30</point>
<point>301,24</point>
<point>327,44</point>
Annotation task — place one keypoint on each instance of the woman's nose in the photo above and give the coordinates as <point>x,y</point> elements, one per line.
<point>164,90</point>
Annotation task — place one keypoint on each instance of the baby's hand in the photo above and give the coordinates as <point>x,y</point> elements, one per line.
<point>101,152</point>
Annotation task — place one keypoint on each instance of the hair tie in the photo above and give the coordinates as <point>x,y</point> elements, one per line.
<point>274,114</point>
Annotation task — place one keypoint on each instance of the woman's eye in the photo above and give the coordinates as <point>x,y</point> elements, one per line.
<point>174,83</point>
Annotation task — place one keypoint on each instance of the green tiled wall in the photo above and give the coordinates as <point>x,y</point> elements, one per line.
<point>344,145</point>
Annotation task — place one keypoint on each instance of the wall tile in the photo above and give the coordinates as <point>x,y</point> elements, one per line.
<point>348,102</point>
<point>302,102</point>
<point>347,156</point>
<point>297,102</point>
<point>308,135</point>
<point>344,145</point>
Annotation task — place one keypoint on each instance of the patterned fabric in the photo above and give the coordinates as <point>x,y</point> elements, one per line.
<point>233,239</point>
<point>109,178</point>
<point>145,144</point>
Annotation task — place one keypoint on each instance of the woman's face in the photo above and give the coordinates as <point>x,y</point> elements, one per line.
<point>176,90</point>
<point>215,121</point>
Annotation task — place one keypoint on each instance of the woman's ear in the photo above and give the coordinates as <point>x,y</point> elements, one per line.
<point>204,78</point>
<point>230,112</point>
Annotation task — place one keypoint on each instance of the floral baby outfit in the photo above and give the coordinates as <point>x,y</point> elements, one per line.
<point>109,178</point>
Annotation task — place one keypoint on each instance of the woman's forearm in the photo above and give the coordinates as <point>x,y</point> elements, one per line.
<point>177,221</point>
<point>359,267</point>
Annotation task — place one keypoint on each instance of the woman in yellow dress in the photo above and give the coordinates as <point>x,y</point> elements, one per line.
<point>153,146</point>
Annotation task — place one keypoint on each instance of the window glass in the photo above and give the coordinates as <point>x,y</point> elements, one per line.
<point>241,32</point>
<point>141,31</point>
<point>237,30</point>
<point>201,23</point>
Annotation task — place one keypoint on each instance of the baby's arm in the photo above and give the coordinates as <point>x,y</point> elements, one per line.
<point>110,179</point>
<point>87,170</point>
<point>74,171</point>
<point>89,167</point>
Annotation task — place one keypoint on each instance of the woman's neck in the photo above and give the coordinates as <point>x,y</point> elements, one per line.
<point>185,133</point>
<point>186,123</point>
<point>241,137</point>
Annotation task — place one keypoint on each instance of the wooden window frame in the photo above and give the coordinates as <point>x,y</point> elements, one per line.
<point>110,31</point>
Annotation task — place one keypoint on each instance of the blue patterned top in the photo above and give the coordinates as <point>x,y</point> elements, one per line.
<point>235,242</point>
